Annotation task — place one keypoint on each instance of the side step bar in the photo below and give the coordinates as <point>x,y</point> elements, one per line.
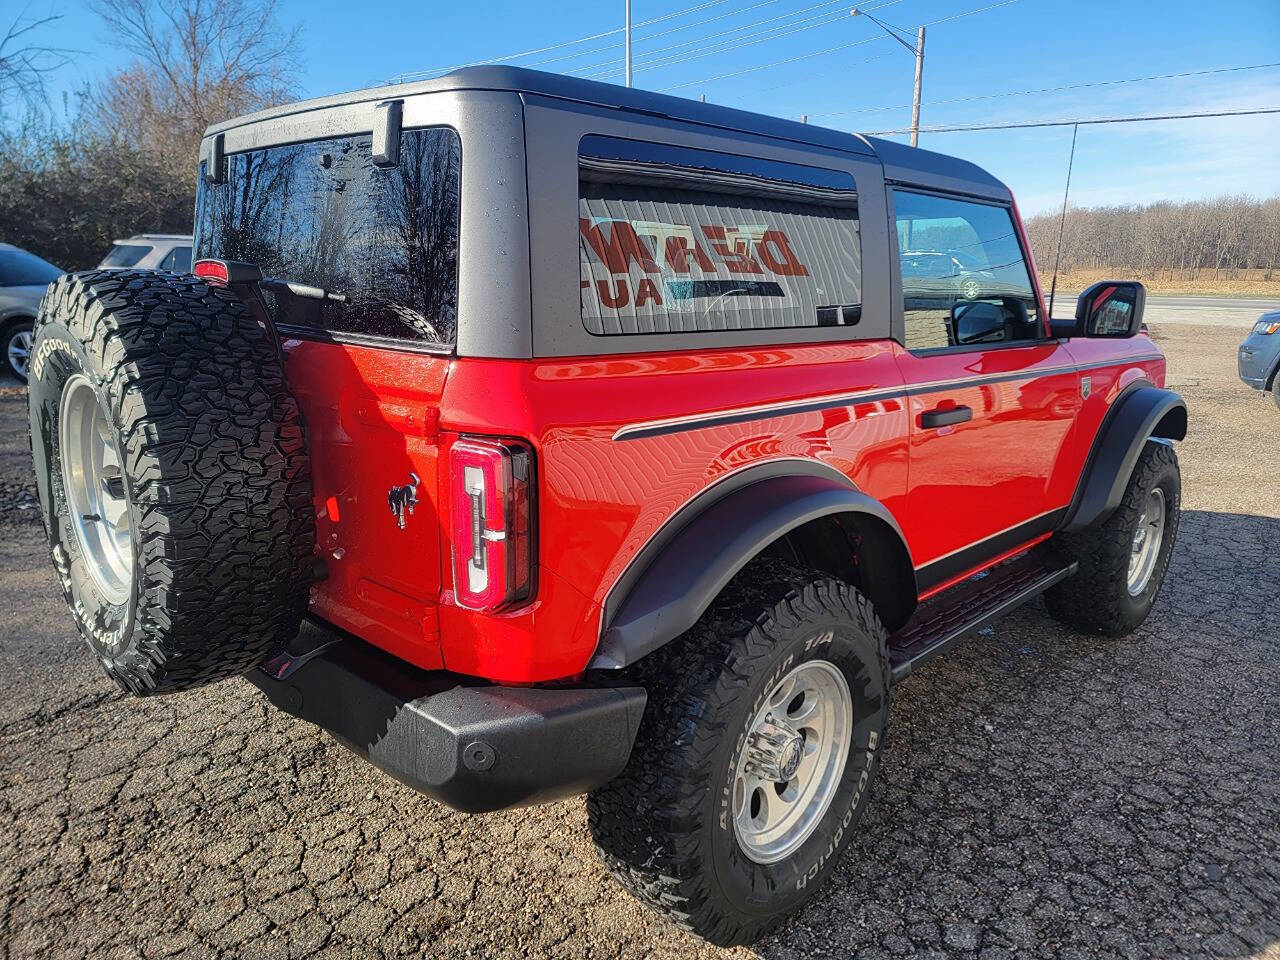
<point>941,621</point>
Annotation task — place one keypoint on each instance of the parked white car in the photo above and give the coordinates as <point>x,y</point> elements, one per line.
<point>23,279</point>
<point>150,251</point>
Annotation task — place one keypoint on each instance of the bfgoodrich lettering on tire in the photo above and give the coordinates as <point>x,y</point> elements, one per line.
<point>173,478</point>
<point>752,765</point>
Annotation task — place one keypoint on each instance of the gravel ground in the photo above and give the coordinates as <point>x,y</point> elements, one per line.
<point>1044,794</point>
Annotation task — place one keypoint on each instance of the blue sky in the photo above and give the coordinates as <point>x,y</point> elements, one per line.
<point>725,48</point>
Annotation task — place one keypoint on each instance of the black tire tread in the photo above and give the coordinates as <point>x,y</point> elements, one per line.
<point>646,822</point>
<point>216,465</point>
<point>1094,599</point>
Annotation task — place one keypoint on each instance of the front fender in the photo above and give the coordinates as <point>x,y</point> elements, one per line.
<point>694,565</point>
<point>1141,412</point>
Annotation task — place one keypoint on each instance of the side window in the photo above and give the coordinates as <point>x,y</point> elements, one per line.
<point>177,260</point>
<point>673,240</point>
<point>125,255</point>
<point>964,278</point>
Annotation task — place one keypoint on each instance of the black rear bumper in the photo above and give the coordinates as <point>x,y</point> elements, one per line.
<point>475,747</point>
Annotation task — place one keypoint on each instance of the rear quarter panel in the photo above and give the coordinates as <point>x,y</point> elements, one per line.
<point>602,497</point>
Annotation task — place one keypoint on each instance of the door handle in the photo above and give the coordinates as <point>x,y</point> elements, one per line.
<point>932,419</point>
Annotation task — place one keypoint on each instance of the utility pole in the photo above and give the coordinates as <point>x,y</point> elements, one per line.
<point>629,42</point>
<point>918,50</point>
<point>915,100</point>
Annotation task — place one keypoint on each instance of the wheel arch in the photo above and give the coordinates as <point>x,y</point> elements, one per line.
<point>14,317</point>
<point>796,508</point>
<point>1275,372</point>
<point>1142,412</point>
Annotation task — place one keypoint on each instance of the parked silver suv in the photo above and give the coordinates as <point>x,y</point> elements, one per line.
<point>150,251</point>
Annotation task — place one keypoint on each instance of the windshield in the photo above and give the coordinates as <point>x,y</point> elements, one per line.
<point>382,241</point>
<point>21,269</point>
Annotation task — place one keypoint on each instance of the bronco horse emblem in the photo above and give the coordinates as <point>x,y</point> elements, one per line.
<point>403,499</point>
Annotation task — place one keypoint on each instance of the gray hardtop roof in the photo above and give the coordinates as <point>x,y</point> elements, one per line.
<point>901,163</point>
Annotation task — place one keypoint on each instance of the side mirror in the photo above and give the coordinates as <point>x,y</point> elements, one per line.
<point>976,321</point>
<point>1112,308</point>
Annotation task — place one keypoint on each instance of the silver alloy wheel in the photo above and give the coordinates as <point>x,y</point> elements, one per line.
<point>95,490</point>
<point>20,352</point>
<point>1147,539</point>
<point>791,766</point>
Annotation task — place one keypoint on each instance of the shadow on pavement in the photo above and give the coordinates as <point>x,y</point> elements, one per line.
<point>1058,794</point>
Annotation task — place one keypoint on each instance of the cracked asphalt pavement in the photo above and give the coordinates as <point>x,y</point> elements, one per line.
<point>1043,794</point>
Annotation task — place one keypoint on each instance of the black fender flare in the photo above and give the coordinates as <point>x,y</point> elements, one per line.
<point>677,575</point>
<point>1140,413</point>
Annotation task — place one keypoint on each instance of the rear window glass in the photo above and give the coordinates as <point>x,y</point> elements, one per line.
<point>125,254</point>
<point>21,269</point>
<point>673,240</point>
<point>381,242</point>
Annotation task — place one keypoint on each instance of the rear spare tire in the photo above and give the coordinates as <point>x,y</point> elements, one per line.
<point>172,470</point>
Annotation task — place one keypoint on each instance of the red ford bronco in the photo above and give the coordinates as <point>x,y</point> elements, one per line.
<point>539,437</point>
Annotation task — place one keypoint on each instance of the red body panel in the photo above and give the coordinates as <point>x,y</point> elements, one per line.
<point>976,479</point>
<point>371,424</point>
<point>372,416</point>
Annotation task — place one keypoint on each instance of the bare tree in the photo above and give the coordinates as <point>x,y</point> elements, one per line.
<point>24,64</point>
<point>198,62</point>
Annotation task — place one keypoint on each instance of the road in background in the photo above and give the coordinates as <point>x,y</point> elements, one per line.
<point>1239,312</point>
<point>1043,794</point>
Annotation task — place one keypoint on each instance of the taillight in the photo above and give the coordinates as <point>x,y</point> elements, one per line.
<point>212,271</point>
<point>226,273</point>
<point>491,488</point>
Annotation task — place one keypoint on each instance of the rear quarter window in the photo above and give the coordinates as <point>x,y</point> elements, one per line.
<point>675,240</point>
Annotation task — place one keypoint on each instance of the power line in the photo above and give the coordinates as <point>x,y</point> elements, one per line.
<point>845,46</point>
<point>772,33</point>
<point>1090,121</point>
<point>764,36</point>
<point>732,30</point>
<point>654,36</point>
<point>402,77</point>
<point>778,63</point>
<point>1058,89</point>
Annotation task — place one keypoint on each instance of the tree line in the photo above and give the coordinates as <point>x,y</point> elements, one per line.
<point>1201,236</point>
<point>121,156</point>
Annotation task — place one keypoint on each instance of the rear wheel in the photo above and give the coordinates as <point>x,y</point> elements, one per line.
<point>173,477</point>
<point>752,764</point>
<point>1123,560</point>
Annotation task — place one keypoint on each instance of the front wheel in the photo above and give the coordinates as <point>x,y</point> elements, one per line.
<point>1123,560</point>
<point>753,761</point>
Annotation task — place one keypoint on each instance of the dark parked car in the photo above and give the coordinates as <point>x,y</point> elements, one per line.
<point>23,279</point>
<point>1260,355</point>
